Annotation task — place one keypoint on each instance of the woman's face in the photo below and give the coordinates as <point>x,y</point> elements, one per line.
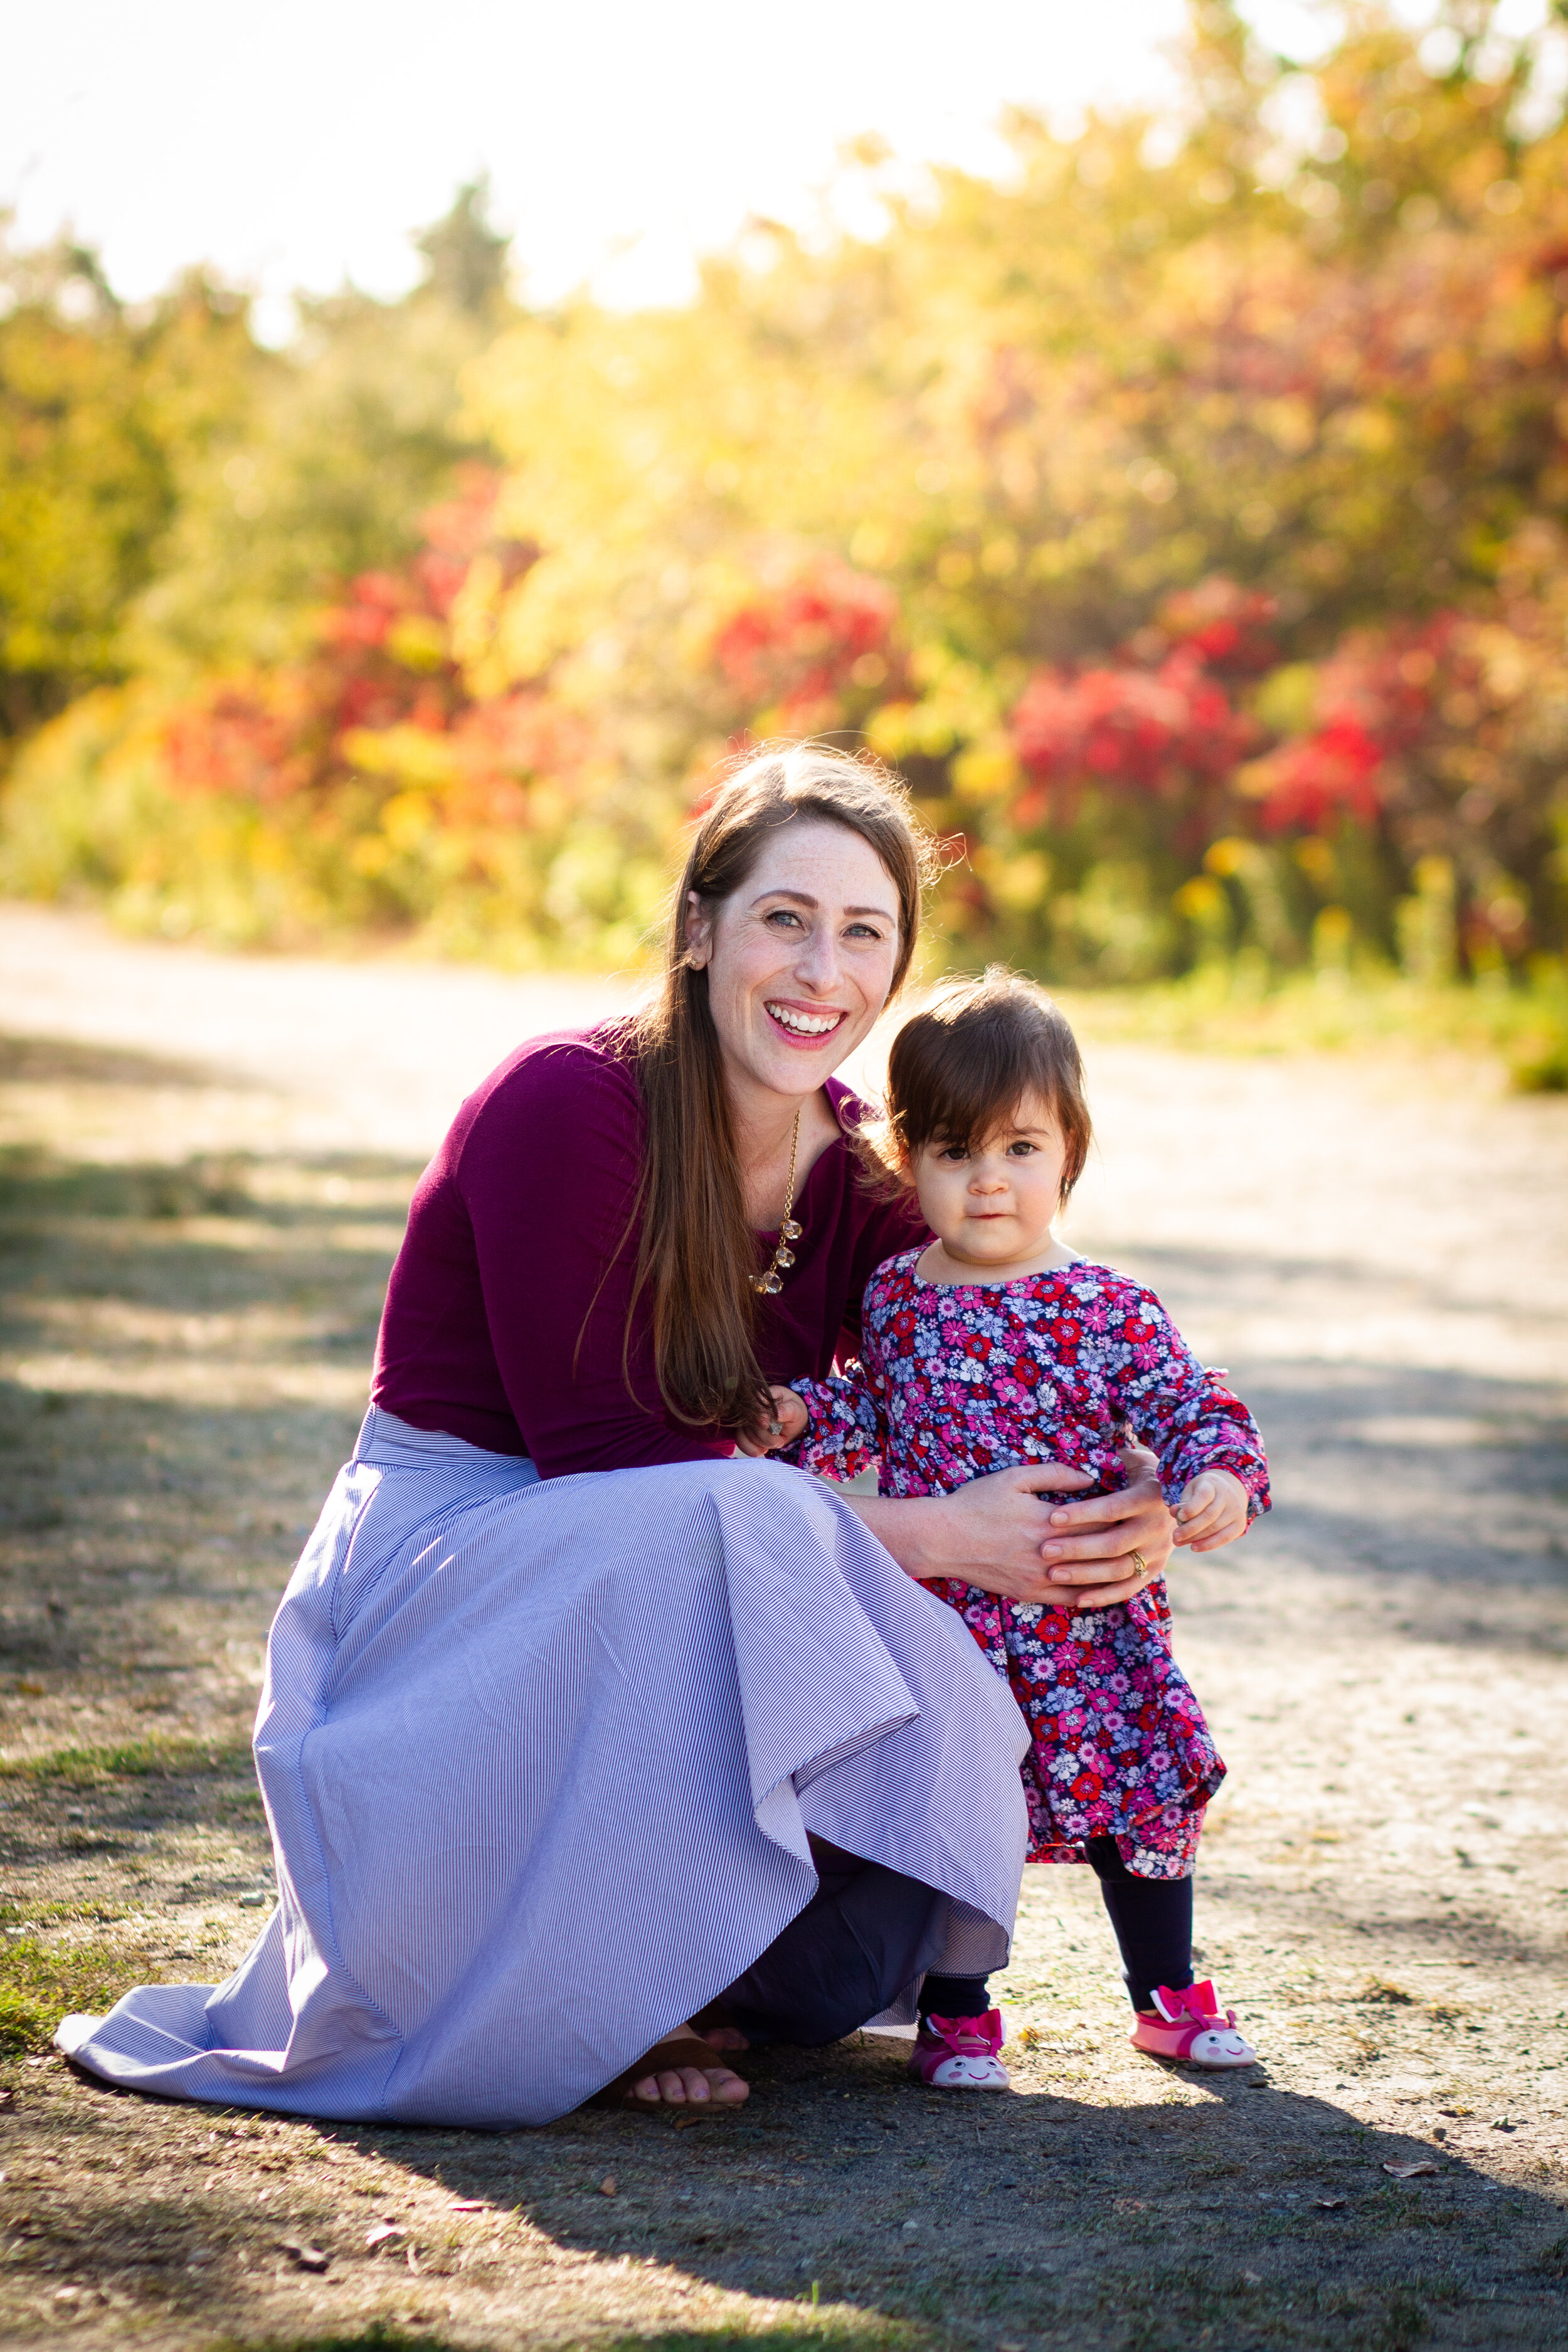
<point>800,958</point>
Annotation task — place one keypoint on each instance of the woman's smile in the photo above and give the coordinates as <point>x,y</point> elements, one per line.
<point>804,1024</point>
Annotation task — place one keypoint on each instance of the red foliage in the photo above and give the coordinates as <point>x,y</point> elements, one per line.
<point>1132,730</point>
<point>501,744</point>
<point>458,531</point>
<point>1378,700</point>
<point>796,649</point>
<point>237,738</point>
<point>269,737</point>
<point>1226,625</point>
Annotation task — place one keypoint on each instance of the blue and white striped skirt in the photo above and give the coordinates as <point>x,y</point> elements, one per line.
<point>541,1759</point>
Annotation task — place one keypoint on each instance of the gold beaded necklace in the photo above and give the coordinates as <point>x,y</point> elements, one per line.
<point>784,1256</point>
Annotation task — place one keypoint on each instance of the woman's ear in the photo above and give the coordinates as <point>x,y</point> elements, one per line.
<point>699,932</point>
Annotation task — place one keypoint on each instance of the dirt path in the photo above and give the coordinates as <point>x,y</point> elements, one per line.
<point>205,1168</point>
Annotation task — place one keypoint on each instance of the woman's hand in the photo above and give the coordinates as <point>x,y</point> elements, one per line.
<point>1005,1534</point>
<point>781,1426</point>
<point>1108,1548</point>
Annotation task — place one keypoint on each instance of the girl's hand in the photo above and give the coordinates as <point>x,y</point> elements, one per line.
<point>781,1427</point>
<point>1212,1511</point>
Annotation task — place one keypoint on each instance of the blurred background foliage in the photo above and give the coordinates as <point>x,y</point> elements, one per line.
<point>1185,513</point>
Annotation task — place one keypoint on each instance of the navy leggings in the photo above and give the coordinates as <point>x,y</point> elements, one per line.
<point>1152,1918</point>
<point>865,1934</point>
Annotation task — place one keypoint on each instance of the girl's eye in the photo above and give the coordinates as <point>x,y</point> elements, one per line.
<point>1022,1150</point>
<point>952,1151</point>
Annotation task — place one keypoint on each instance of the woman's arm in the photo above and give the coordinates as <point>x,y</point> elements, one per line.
<point>557,1252</point>
<point>1004,1534</point>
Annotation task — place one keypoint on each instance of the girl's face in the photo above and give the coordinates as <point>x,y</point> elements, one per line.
<point>799,959</point>
<point>989,1204</point>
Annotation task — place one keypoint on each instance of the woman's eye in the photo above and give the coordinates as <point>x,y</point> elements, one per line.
<point>862,932</point>
<point>784,915</point>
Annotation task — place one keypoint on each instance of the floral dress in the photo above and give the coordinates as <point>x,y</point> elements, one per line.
<point>956,1382</point>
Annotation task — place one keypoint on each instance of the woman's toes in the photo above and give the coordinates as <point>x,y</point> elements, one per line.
<point>691,2087</point>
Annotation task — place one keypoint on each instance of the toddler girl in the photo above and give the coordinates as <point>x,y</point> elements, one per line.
<point>996,1346</point>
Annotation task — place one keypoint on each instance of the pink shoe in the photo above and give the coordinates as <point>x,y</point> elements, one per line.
<point>1189,2025</point>
<point>959,2054</point>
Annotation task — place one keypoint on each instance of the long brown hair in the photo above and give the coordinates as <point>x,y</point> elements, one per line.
<point>696,1252</point>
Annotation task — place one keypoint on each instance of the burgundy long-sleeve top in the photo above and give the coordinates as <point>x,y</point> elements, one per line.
<point>506,1315</point>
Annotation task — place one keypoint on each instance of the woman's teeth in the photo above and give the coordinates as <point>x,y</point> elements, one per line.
<point>804,1024</point>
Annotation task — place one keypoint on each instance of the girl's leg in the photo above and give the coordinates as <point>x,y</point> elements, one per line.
<point>958,2046</point>
<point>1152,1918</point>
<point>960,2039</point>
<point>954,1997</point>
<point>1153,1922</point>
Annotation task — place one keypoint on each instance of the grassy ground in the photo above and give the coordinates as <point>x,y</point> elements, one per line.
<point>191,1261</point>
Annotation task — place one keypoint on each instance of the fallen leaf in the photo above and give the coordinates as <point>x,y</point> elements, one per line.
<point>1331,2204</point>
<point>412,2258</point>
<point>7,2098</point>
<point>607,2186</point>
<point>307,2258</point>
<point>467,2205</point>
<point>383,2234</point>
<point>1410,2172</point>
<point>1250,2278</point>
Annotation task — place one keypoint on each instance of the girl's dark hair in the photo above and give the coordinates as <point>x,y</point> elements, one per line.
<point>961,1066</point>
<point>696,1252</point>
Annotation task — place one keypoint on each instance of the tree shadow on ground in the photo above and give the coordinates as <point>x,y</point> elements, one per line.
<point>1264,2217</point>
<point>1445,1485</point>
<point>1262,1282</point>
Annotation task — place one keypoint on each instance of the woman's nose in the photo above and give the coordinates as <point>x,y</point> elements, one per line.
<point>818,964</point>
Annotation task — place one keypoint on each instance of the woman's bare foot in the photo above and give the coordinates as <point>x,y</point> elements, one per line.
<point>683,2086</point>
<point>690,2081</point>
<point>721,2037</point>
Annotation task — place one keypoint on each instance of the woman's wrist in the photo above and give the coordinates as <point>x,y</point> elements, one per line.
<point>907,1527</point>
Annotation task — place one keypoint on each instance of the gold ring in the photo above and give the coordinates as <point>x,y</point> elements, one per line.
<point>1139,1562</point>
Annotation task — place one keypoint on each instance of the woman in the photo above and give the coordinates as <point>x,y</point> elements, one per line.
<point>574,1722</point>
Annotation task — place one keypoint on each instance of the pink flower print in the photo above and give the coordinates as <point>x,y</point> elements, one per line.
<point>958,1383</point>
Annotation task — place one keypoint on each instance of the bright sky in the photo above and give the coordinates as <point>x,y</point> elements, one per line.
<point>296,144</point>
